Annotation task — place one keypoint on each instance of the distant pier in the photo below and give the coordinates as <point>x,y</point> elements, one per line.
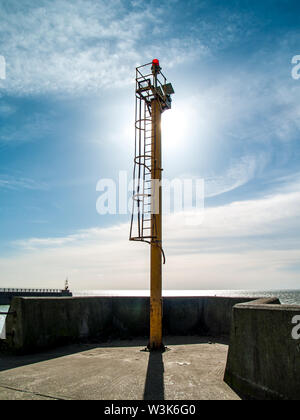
<point>6,295</point>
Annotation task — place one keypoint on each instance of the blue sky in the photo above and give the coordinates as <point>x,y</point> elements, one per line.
<point>66,121</point>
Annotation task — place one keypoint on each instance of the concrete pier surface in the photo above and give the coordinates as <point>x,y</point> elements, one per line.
<point>192,369</point>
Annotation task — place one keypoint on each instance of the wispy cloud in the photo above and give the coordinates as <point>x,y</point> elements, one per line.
<point>6,109</point>
<point>39,243</point>
<point>59,46</point>
<point>26,130</point>
<point>9,182</point>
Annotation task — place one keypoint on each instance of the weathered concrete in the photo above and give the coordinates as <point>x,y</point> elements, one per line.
<point>198,315</point>
<point>47,322</point>
<point>120,370</point>
<point>263,359</point>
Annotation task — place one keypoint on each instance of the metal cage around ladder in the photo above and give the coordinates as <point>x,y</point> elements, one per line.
<point>153,97</point>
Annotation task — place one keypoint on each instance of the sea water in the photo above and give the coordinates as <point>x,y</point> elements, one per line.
<point>287,297</point>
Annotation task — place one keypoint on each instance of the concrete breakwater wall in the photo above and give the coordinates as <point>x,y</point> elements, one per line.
<point>264,357</point>
<point>37,323</point>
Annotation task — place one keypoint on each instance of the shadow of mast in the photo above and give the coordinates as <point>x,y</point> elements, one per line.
<point>154,385</point>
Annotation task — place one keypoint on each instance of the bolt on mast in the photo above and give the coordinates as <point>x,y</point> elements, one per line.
<point>153,97</point>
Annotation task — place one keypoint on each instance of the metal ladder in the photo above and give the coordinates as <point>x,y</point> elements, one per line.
<point>145,189</point>
<point>142,194</point>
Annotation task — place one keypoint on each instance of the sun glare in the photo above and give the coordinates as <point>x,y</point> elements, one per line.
<point>174,128</point>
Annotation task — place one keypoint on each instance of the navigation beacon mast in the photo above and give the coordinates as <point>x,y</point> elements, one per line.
<point>153,97</point>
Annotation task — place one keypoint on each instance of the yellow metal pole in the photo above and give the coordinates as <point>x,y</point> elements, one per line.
<point>156,341</point>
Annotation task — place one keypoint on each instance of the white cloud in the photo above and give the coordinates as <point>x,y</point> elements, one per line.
<point>251,244</point>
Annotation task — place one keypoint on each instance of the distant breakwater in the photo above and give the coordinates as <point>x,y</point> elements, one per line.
<point>6,295</point>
